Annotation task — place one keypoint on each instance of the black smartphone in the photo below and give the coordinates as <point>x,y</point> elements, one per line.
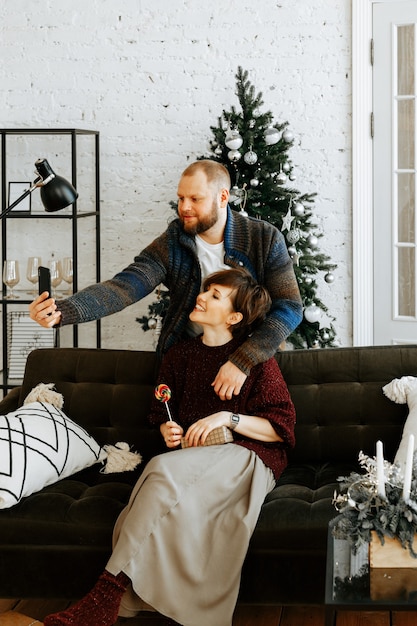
<point>44,275</point>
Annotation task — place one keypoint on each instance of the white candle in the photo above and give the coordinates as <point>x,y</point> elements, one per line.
<point>408,468</point>
<point>380,469</point>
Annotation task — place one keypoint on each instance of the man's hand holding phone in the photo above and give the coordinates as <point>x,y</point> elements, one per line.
<point>43,309</point>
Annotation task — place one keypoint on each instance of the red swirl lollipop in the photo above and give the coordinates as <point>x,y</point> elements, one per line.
<point>163,394</point>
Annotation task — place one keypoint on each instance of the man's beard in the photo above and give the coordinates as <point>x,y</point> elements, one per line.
<point>204,223</point>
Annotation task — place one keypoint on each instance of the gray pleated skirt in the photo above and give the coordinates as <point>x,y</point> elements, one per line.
<point>183,537</point>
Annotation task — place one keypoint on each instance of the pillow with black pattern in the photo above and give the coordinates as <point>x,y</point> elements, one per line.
<point>40,445</point>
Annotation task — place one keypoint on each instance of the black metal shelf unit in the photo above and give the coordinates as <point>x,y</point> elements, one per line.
<point>75,215</point>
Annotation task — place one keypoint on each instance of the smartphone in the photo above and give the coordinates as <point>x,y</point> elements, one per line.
<point>44,275</point>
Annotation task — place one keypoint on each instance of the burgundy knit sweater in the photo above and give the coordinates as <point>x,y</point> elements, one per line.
<point>190,367</point>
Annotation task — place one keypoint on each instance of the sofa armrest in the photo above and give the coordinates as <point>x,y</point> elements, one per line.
<point>10,402</point>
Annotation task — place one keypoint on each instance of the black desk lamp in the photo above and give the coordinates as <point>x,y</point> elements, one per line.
<point>56,192</point>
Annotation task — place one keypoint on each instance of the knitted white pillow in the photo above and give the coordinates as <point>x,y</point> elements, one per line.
<point>40,445</point>
<point>404,390</point>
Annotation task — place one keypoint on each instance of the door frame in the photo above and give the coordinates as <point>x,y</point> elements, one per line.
<point>362,175</point>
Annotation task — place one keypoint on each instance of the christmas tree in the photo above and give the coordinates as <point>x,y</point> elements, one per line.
<point>256,152</point>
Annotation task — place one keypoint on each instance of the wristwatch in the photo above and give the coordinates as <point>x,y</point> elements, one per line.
<point>234,420</point>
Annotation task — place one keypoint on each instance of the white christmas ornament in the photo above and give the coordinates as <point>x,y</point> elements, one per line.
<point>254,182</point>
<point>271,136</point>
<point>281,178</point>
<point>287,136</point>
<point>312,241</point>
<point>298,209</point>
<point>250,157</point>
<point>312,313</point>
<point>287,220</point>
<point>293,235</point>
<point>236,195</point>
<point>234,155</point>
<point>233,140</point>
<point>329,278</point>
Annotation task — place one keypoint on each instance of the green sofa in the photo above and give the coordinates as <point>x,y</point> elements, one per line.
<point>56,542</point>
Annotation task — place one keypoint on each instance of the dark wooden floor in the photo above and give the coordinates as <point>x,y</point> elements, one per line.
<point>17,613</point>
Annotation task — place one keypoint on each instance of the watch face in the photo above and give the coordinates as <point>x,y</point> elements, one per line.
<point>234,419</point>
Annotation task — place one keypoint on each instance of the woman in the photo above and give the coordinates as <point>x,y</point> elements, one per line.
<point>180,543</point>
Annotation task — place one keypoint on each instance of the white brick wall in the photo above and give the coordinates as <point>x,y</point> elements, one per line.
<point>153,75</point>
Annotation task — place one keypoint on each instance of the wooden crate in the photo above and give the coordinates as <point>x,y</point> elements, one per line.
<point>390,554</point>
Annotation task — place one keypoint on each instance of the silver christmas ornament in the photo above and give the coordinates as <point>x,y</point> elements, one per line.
<point>308,280</point>
<point>293,235</point>
<point>292,251</point>
<point>312,241</point>
<point>312,313</point>
<point>298,209</point>
<point>287,136</point>
<point>236,195</point>
<point>271,136</point>
<point>281,178</point>
<point>254,182</point>
<point>286,167</point>
<point>250,157</point>
<point>234,155</point>
<point>329,278</point>
<point>325,336</point>
<point>233,140</point>
<point>218,150</point>
<point>152,323</point>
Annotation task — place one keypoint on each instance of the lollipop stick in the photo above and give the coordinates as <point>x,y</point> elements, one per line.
<point>169,412</point>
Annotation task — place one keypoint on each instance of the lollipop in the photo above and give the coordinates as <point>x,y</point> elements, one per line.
<point>163,394</point>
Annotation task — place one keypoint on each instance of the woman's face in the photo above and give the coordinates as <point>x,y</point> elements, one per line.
<point>214,307</point>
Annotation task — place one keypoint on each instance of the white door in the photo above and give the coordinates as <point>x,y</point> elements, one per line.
<point>395,168</point>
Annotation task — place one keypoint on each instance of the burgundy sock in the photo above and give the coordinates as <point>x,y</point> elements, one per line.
<point>98,608</point>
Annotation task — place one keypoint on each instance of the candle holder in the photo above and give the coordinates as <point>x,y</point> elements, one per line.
<point>365,509</point>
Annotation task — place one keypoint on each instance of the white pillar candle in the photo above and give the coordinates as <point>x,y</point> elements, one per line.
<point>380,469</point>
<point>408,468</point>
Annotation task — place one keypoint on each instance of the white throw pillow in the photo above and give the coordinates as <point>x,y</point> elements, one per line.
<point>404,390</point>
<point>40,445</point>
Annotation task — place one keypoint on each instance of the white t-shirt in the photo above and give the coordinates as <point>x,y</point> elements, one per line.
<point>211,258</point>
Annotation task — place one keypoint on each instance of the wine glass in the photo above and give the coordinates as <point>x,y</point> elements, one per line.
<point>68,273</point>
<point>11,276</point>
<point>56,275</point>
<point>32,270</point>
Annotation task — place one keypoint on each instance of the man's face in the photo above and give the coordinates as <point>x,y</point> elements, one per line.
<point>198,204</point>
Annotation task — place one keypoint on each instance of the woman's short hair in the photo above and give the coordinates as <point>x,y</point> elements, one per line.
<point>249,298</point>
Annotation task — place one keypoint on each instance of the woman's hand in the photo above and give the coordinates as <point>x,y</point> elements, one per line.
<point>43,311</point>
<point>172,433</point>
<point>198,432</point>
